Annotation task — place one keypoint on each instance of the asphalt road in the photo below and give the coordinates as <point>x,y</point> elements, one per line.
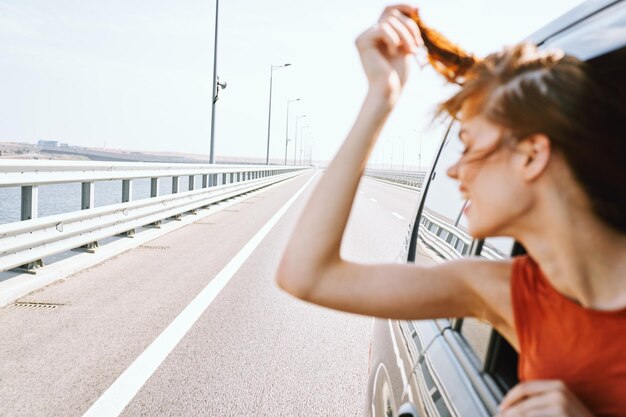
<point>254,351</point>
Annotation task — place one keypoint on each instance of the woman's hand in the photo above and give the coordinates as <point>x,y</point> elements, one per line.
<point>550,398</point>
<point>385,49</point>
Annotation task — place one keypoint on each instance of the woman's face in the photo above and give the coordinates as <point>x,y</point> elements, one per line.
<point>488,178</point>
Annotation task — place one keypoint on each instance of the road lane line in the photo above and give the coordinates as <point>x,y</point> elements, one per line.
<point>397,215</point>
<point>113,401</point>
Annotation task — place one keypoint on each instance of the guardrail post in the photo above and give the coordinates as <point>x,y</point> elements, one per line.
<point>87,202</point>
<point>154,192</point>
<point>205,184</point>
<point>30,204</point>
<point>175,187</point>
<point>154,187</point>
<point>127,195</point>
<point>192,186</point>
<point>87,195</point>
<point>127,191</point>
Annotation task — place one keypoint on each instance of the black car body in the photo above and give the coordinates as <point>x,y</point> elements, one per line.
<point>463,367</point>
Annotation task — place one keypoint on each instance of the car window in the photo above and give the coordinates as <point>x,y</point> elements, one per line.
<point>442,234</point>
<point>497,248</point>
<point>477,332</point>
<point>601,33</point>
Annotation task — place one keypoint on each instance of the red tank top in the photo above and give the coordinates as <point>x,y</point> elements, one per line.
<point>559,339</point>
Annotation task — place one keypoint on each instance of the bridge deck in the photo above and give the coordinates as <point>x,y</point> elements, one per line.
<point>255,350</point>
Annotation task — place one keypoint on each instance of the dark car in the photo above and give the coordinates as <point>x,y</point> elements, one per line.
<point>462,366</point>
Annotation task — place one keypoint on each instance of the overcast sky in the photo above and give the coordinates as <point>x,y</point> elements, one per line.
<point>136,74</point>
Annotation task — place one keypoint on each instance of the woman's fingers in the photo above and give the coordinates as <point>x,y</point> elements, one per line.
<point>384,48</point>
<point>383,35</point>
<point>538,405</point>
<point>402,13</point>
<point>412,28</point>
<point>401,33</point>
<point>394,30</point>
<point>402,8</point>
<point>390,38</point>
<point>408,40</point>
<point>528,389</point>
<point>549,398</point>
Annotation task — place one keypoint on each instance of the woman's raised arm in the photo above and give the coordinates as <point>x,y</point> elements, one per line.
<point>311,268</point>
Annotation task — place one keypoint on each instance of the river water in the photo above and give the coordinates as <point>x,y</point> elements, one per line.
<point>65,198</point>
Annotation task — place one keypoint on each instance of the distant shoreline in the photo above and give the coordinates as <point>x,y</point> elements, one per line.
<point>21,150</point>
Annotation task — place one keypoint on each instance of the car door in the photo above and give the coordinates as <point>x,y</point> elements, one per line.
<point>463,367</point>
<point>397,346</point>
<point>440,376</point>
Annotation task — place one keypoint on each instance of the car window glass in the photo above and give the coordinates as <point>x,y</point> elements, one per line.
<point>497,248</point>
<point>601,33</point>
<point>442,233</point>
<point>477,334</point>
<point>475,331</point>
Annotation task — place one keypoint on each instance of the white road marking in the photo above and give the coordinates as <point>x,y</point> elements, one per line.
<point>397,215</point>
<point>373,200</point>
<point>113,401</point>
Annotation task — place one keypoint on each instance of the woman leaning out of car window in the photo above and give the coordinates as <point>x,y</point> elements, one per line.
<point>543,163</point>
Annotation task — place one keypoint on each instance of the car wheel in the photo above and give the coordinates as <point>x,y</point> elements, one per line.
<point>383,404</point>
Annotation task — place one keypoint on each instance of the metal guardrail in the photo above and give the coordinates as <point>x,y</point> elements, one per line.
<point>25,243</point>
<point>413,179</point>
<point>448,241</point>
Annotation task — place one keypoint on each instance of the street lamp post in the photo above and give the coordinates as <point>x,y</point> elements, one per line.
<point>295,145</point>
<point>269,116</point>
<point>214,96</point>
<point>306,159</point>
<point>311,145</point>
<point>287,128</point>
<point>301,141</point>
